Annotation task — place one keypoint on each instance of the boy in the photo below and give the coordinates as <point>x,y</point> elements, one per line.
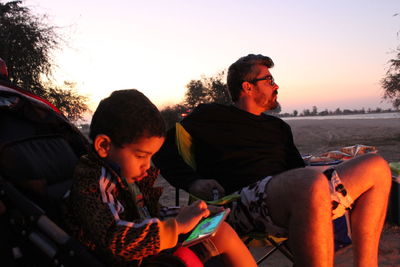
<point>113,208</point>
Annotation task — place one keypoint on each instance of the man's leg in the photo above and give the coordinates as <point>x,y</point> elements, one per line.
<point>299,200</point>
<point>367,179</point>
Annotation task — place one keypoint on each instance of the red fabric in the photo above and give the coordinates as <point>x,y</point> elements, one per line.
<point>188,257</point>
<point>38,98</point>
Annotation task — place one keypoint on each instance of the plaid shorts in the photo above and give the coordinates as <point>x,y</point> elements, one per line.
<point>250,212</point>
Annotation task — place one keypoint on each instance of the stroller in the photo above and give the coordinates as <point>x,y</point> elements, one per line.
<point>39,148</point>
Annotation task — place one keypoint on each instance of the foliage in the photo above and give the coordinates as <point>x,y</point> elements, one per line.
<point>206,90</point>
<point>26,45</point>
<point>326,112</point>
<point>173,114</point>
<point>71,104</point>
<point>391,82</point>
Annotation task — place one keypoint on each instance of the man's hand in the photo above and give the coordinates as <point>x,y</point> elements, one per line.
<point>189,216</point>
<point>203,188</point>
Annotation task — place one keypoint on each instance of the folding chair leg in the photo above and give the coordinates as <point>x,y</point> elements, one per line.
<point>282,247</point>
<point>266,255</point>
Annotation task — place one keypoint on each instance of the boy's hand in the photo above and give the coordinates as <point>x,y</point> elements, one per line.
<point>189,216</point>
<point>203,188</point>
<point>215,209</point>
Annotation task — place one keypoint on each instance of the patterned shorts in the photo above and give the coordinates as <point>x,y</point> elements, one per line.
<point>250,212</point>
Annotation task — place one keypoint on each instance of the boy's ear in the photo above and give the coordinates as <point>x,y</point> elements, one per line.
<point>102,145</point>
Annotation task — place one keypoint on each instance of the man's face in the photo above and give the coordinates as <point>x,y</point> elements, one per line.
<point>134,158</point>
<point>265,91</point>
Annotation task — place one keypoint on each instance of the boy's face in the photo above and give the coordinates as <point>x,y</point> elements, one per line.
<point>134,158</point>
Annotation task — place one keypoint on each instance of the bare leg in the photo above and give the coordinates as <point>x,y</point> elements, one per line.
<point>231,247</point>
<point>299,200</point>
<point>367,179</point>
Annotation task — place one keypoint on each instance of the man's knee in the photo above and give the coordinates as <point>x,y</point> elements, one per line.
<point>363,173</point>
<point>375,160</point>
<point>376,166</point>
<point>381,168</point>
<point>306,185</point>
<point>297,191</point>
<point>314,189</point>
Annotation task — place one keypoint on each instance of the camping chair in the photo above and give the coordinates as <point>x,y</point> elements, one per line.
<point>184,145</point>
<point>38,152</point>
<point>342,236</point>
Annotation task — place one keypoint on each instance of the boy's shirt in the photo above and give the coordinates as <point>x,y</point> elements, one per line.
<point>104,214</point>
<point>134,189</point>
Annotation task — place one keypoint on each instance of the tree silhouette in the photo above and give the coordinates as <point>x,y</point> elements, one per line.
<point>71,104</point>
<point>204,90</point>
<point>26,44</point>
<point>391,82</point>
<point>173,114</point>
<point>207,90</point>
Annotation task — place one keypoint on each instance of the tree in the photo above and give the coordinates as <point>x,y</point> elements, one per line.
<point>306,112</point>
<point>26,44</point>
<point>196,93</point>
<point>71,104</point>
<point>206,90</point>
<point>338,111</point>
<point>314,111</point>
<point>173,114</point>
<point>391,82</point>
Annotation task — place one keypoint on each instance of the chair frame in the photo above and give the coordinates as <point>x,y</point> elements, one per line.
<point>282,246</point>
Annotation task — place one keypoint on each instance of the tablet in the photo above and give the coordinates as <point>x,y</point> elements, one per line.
<point>206,228</point>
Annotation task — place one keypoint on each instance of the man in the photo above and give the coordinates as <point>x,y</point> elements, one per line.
<point>239,148</point>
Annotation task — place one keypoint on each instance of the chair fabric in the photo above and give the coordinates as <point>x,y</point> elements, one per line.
<point>185,148</point>
<point>185,145</point>
<point>39,148</point>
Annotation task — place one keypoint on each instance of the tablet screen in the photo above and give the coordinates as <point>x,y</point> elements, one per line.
<point>206,228</point>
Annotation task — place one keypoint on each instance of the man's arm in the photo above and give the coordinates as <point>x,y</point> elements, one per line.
<point>294,158</point>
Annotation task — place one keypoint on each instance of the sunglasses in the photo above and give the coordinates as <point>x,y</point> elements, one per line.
<point>268,78</point>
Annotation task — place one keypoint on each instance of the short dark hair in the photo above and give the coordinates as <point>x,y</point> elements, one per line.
<point>244,69</point>
<point>125,116</point>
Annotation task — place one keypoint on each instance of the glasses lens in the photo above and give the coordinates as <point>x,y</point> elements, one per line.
<point>271,81</point>
<point>269,78</point>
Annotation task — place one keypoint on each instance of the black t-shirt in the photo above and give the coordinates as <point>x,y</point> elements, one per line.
<point>234,147</point>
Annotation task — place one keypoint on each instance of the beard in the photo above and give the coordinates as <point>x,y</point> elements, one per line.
<point>267,103</point>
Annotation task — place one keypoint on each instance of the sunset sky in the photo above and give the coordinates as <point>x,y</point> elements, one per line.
<point>327,53</point>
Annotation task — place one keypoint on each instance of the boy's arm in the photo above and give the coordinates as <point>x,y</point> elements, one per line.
<point>128,240</point>
<point>173,168</point>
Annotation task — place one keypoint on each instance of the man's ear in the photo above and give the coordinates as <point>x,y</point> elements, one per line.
<point>102,145</point>
<point>246,87</point>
